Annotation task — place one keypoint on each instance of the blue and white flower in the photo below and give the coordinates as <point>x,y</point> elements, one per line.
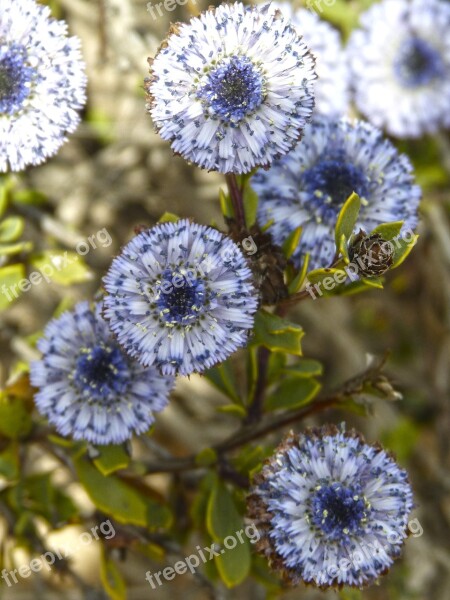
<point>332,95</point>
<point>180,297</point>
<point>233,89</point>
<point>309,186</point>
<point>400,62</point>
<point>88,387</point>
<point>42,84</point>
<point>331,509</point>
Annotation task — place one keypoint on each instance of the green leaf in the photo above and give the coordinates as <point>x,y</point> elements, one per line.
<point>10,277</point>
<point>169,217</point>
<point>111,578</point>
<point>343,249</point>
<point>373,282</point>
<point>277,362</point>
<point>112,458</point>
<point>4,199</point>
<point>402,250</point>
<point>250,200</point>
<point>362,285</point>
<point>225,205</point>
<point>277,334</point>
<point>15,248</point>
<point>9,462</point>
<point>291,242</point>
<point>388,231</point>
<point>117,498</point>
<point>63,268</point>
<point>222,377</point>
<point>298,280</point>
<point>28,196</point>
<point>15,420</point>
<point>347,219</point>
<point>325,281</point>
<point>293,393</point>
<point>206,457</point>
<point>305,367</point>
<point>233,409</point>
<point>222,520</point>
<point>11,229</point>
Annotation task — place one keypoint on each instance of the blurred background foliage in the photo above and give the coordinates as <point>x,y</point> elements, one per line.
<point>116,173</point>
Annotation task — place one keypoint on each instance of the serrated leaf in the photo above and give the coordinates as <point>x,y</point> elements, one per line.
<point>291,243</point>
<point>402,250</point>
<point>169,217</point>
<point>10,277</point>
<point>63,268</point>
<point>111,459</point>
<point>222,520</point>
<point>347,219</point>
<point>388,231</point>
<point>277,334</point>
<point>111,578</point>
<point>11,229</point>
<point>305,367</point>
<point>293,393</point>
<point>117,498</point>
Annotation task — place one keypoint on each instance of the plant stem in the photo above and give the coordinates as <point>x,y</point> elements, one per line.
<point>250,432</point>
<point>256,405</point>
<point>236,199</point>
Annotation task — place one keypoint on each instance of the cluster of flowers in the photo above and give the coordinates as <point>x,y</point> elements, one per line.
<point>234,90</point>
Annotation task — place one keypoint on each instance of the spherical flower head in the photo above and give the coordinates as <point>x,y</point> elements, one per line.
<point>400,63</point>
<point>88,387</point>
<point>180,297</point>
<point>233,89</point>
<point>332,95</point>
<point>42,84</point>
<point>331,509</point>
<point>309,186</point>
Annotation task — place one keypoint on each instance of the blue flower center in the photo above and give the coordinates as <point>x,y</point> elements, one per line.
<point>233,89</point>
<point>15,78</point>
<point>418,63</point>
<point>338,511</point>
<point>101,371</point>
<point>181,297</point>
<point>329,183</point>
